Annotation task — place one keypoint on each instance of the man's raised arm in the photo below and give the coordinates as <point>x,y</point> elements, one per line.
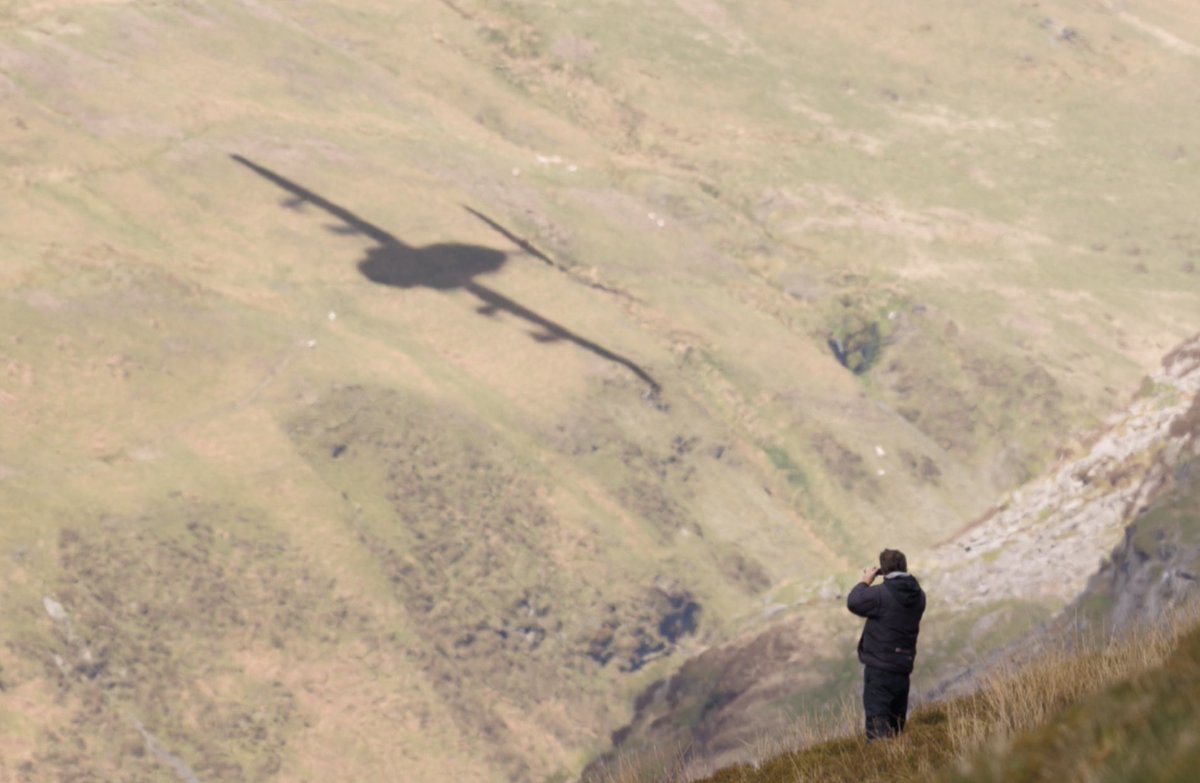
<point>863,601</point>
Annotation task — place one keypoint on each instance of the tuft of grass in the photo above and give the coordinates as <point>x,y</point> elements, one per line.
<point>1142,726</point>
<point>785,464</point>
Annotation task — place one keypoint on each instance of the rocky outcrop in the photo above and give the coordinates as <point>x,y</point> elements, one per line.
<point>1157,565</point>
<point>1047,538</point>
<point>1155,569</point>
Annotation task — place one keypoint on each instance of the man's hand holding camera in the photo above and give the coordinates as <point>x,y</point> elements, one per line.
<point>869,574</point>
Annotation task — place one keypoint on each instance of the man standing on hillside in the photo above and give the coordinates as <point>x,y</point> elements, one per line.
<point>888,645</point>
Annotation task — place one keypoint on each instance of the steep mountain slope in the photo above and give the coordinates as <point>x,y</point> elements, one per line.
<point>296,448</point>
<point>992,584</point>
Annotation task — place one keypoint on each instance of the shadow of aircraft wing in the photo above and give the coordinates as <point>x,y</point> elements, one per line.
<point>354,224</point>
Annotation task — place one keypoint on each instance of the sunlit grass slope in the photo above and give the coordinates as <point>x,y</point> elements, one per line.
<point>880,260</point>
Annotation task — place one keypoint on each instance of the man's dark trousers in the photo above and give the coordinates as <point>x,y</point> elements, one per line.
<point>885,701</point>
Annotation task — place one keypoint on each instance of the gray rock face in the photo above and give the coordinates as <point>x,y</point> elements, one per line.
<point>1049,537</point>
<point>1149,584</point>
<point>1157,566</point>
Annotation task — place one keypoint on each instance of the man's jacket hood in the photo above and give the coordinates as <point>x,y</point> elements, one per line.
<point>906,589</point>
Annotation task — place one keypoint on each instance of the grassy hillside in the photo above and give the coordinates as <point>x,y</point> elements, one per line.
<point>406,387</point>
<point>1086,710</point>
<point>1100,693</point>
<point>992,588</point>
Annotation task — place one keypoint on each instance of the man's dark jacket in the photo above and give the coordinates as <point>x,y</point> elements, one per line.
<point>893,611</point>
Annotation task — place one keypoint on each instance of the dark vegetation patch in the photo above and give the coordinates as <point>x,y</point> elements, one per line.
<point>865,319</point>
<point>655,478</point>
<point>641,642</point>
<point>659,477</point>
<point>741,570</point>
<point>518,52</point>
<point>653,502</point>
<point>708,707</point>
<point>921,467</point>
<point>462,536</point>
<point>847,466</point>
<point>155,609</point>
<point>784,463</point>
<point>470,547</point>
<point>856,343</point>
<point>971,403</point>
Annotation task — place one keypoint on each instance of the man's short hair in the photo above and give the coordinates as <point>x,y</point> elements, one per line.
<point>891,560</point>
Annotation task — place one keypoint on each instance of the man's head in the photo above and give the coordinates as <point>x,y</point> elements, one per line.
<point>891,560</point>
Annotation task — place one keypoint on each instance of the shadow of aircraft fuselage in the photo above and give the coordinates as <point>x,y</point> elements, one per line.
<point>443,267</point>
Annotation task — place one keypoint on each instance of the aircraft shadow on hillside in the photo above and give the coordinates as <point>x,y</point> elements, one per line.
<point>443,267</point>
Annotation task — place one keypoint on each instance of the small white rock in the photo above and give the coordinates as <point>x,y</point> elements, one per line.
<point>879,452</point>
<point>516,172</point>
<point>661,222</point>
<point>332,316</point>
<point>881,472</point>
<point>311,344</point>
<point>53,608</point>
<point>572,168</point>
